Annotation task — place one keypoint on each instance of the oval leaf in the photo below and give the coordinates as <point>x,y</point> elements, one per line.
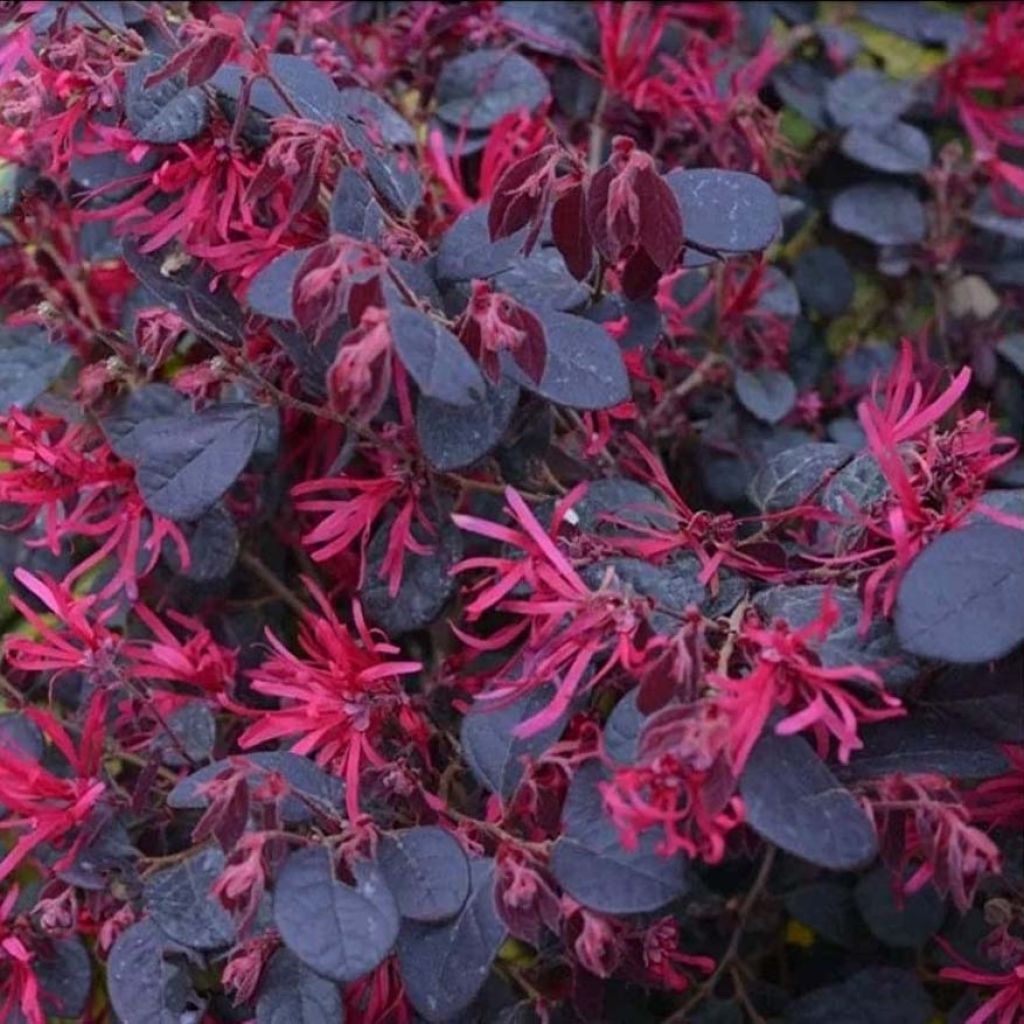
<point>181,904</point>
<point>142,984</point>
<point>456,436</point>
<point>310,785</point>
<point>896,148</point>
<point>584,368</point>
<point>29,364</point>
<point>788,478</point>
<point>876,995</point>
<point>924,742</point>
<point>478,89</point>
<point>340,931</point>
<point>290,993</point>
<point>166,113</point>
<point>866,98</point>
<point>372,112</point>
<point>445,966</point>
<point>883,214</point>
<point>591,864</point>
<point>64,972</point>
<point>767,394</point>
<point>962,599</point>
<point>435,358</point>
<point>792,800</point>
<point>210,312</point>
<point>270,291</point>
<point>427,582</point>
<point>727,211</point>
<point>495,755</point>
<point>185,463</point>
<point>466,250</point>
<point>426,871</point>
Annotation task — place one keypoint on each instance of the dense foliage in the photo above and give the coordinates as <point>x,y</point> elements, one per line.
<point>511,512</point>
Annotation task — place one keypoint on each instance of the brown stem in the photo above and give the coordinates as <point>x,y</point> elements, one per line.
<point>726,962</point>
<point>270,580</point>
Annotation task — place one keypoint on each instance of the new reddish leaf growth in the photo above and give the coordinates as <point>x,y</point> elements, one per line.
<point>634,218</point>
<point>494,323</point>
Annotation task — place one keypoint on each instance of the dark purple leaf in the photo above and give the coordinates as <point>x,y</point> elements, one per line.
<point>186,462</point>
<point>270,291</point>
<point>338,930</point>
<point>883,214</point>
<point>727,211</point>
<point>794,801</point>
<point>427,872</point>
<point>213,545</point>
<point>790,477</point>
<point>845,644</point>
<point>671,587</point>
<point>923,742</point>
<point>622,730</point>
<point>354,210</point>
<point>376,115</point>
<point>124,426</point>
<point>584,368</point>
<point>591,864</point>
<point>866,98</point>
<point>466,250</point>
<point>456,436</point>
<point>540,281</point>
<point>213,314</point>
<point>907,922</point>
<point>106,853</point>
<point>290,993</point>
<point>444,966</point>
<point>29,364</point>
<point>21,736</point>
<point>435,358</point>
<point>309,784</point>
<point>896,148</point>
<point>64,972</point>
<point>180,902</point>
<point>166,113</point>
<point>553,26</point>
<point>962,599</point>
<point>195,729</point>
<point>824,280</point>
<point>801,85</point>
<point>426,585</point>
<point>495,755</point>
<point>644,324</point>
<point>396,179</point>
<point>479,88</point>
<point>142,984</point>
<point>309,90</point>
<point>876,995</point>
<point>987,698</point>
<point>767,394</point>
<point>829,910</point>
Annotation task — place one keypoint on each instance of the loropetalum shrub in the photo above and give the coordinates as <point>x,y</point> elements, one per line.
<point>511,512</point>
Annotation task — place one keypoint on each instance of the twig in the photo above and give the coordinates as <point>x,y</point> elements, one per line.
<point>270,580</point>
<point>726,961</point>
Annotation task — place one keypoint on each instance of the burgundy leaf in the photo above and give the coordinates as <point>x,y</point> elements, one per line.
<point>571,232</point>
<point>520,195</point>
